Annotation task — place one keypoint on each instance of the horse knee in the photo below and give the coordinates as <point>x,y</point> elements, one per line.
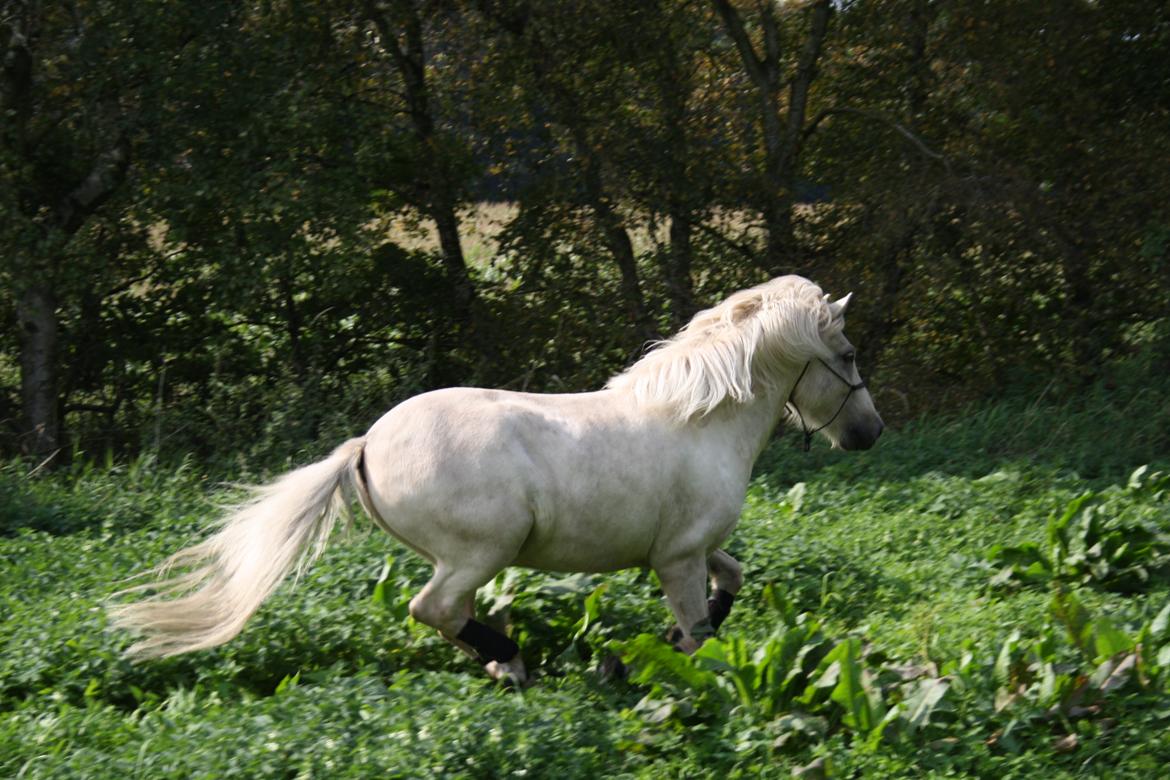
<point>733,578</point>
<point>420,610</point>
<point>727,578</point>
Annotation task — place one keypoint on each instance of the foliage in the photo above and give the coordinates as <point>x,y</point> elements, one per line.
<point>213,209</point>
<point>865,640</point>
<point>1084,545</point>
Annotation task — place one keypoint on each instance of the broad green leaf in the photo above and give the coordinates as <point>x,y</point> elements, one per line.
<point>1067,608</point>
<point>652,658</point>
<point>1108,640</point>
<point>1057,526</point>
<point>776,598</point>
<point>288,683</point>
<point>795,497</point>
<point>850,691</point>
<point>592,612</point>
<point>379,596</point>
<point>1005,661</point>
<point>1114,673</point>
<point>921,704</point>
<point>1160,625</point>
<point>1046,693</point>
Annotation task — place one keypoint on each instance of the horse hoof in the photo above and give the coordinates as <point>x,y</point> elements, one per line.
<point>509,674</point>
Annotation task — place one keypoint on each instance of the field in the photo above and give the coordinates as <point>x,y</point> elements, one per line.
<point>980,595</point>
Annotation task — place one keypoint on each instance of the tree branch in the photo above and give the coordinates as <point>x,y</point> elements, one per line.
<point>107,173</point>
<point>733,23</point>
<point>878,116</point>
<point>94,408</point>
<point>16,64</point>
<point>806,71</point>
<point>750,253</point>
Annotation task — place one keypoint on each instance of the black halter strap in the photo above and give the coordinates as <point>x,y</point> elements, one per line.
<point>808,434</point>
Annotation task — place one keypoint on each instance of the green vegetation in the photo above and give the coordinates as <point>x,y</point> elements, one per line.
<point>877,634</point>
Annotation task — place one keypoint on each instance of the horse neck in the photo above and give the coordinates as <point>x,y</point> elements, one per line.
<point>747,427</point>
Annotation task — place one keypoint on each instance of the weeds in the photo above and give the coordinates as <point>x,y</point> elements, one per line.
<point>1087,543</point>
<point>959,602</point>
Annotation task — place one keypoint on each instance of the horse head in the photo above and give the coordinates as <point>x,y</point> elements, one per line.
<point>829,395</point>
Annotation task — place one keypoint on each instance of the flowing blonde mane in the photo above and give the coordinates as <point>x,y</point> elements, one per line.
<point>732,350</point>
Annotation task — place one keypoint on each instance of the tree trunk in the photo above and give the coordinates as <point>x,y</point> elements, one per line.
<point>439,201</point>
<point>564,105</point>
<point>454,263</point>
<point>617,240</point>
<point>675,88</point>
<point>36,311</point>
<point>678,271</point>
<point>783,133</point>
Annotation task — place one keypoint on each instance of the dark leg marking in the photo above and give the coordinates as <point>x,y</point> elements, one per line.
<point>719,606</point>
<point>488,644</point>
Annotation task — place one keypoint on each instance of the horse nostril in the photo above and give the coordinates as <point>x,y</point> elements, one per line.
<point>862,437</point>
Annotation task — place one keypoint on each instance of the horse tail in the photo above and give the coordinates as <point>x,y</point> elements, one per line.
<point>280,529</point>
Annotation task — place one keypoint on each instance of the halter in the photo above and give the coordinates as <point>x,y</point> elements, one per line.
<point>808,434</point>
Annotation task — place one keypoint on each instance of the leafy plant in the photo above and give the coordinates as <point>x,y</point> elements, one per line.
<point>878,652</point>
<point>1085,546</point>
<point>800,682</point>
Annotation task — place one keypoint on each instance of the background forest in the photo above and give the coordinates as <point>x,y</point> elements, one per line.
<point>244,226</point>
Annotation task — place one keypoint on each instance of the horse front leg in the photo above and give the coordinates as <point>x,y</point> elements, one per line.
<point>726,580</point>
<point>684,581</point>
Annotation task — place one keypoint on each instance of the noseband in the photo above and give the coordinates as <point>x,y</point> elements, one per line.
<point>808,434</point>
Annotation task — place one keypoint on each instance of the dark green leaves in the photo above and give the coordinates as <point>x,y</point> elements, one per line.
<point>1085,544</point>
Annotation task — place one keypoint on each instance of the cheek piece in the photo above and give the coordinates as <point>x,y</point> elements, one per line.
<point>808,433</point>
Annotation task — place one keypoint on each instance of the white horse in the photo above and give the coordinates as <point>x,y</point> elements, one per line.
<point>650,471</point>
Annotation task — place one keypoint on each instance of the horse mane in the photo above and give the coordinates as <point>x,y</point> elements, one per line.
<point>733,349</point>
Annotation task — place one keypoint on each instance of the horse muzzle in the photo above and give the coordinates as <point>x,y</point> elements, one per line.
<point>861,437</point>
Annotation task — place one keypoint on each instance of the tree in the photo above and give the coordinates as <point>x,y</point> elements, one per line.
<point>568,74</point>
<point>400,25</point>
<point>782,122</point>
<point>72,98</point>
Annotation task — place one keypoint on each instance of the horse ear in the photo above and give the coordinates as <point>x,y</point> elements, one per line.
<point>838,307</point>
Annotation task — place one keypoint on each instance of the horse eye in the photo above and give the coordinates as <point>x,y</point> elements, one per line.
<point>849,357</point>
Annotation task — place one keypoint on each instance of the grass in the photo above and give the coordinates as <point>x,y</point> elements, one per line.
<point>884,556</point>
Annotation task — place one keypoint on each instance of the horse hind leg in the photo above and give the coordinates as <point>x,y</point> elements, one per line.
<point>447,603</point>
<point>726,580</point>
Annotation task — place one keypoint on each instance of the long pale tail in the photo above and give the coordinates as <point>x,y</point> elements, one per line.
<point>283,527</point>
